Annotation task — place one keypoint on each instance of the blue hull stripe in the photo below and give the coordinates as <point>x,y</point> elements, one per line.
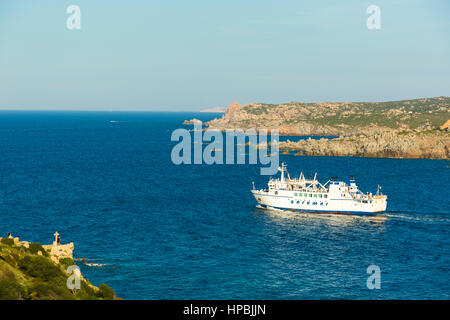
<point>325,211</point>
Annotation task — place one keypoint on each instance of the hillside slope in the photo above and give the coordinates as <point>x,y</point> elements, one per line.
<point>29,273</point>
<point>337,118</point>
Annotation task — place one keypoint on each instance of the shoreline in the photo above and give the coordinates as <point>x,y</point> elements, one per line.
<point>435,145</point>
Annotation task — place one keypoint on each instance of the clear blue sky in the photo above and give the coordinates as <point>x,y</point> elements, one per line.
<point>191,55</point>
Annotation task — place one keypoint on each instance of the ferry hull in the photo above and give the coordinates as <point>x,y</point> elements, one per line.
<point>321,211</point>
<point>286,200</point>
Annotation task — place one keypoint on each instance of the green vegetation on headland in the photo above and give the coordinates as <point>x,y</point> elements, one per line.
<point>29,273</point>
<point>396,129</point>
<point>338,118</point>
<point>413,114</point>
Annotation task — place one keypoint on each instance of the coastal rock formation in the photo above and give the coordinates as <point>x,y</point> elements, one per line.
<point>59,251</point>
<point>337,118</point>
<point>434,145</point>
<point>192,121</point>
<point>405,129</point>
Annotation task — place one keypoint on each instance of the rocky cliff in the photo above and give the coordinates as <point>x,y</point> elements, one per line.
<point>400,129</point>
<point>430,145</point>
<point>337,118</point>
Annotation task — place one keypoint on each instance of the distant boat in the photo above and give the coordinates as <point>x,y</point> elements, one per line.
<point>309,195</point>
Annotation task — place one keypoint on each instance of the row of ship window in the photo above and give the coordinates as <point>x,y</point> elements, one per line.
<point>310,195</point>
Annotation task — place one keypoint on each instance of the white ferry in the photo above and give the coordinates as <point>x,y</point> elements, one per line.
<point>303,195</point>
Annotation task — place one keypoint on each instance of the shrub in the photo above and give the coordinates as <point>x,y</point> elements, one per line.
<point>67,262</point>
<point>86,292</point>
<point>11,258</point>
<point>6,274</point>
<point>39,267</point>
<point>106,292</point>
<point>10,290</point>
<point>34,248</point>
<point>8,241</point>
<point>53,290</point>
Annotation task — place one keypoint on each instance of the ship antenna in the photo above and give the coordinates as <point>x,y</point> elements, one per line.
<point>348,170</point>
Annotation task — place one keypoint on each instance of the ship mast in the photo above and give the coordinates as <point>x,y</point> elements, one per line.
<point>282,169</point>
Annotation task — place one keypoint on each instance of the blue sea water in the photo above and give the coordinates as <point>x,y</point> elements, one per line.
<point>193,232</point>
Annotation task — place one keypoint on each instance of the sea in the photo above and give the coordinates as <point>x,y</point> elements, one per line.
<point>155,230</point>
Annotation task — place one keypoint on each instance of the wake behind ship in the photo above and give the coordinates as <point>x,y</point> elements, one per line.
<point>303,195</point>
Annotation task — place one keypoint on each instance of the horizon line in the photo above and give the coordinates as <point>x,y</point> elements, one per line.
<point>147,109</point>
<point>107,110</point>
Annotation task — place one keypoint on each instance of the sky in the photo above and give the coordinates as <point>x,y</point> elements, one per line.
<point>178,55</point>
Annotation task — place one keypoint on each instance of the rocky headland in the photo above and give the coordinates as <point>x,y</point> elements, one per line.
<point>399,129</point>
<point>31,271</point>
<point>431,145</point>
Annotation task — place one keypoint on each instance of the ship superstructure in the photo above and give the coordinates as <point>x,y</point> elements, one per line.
<point>309,195</point>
